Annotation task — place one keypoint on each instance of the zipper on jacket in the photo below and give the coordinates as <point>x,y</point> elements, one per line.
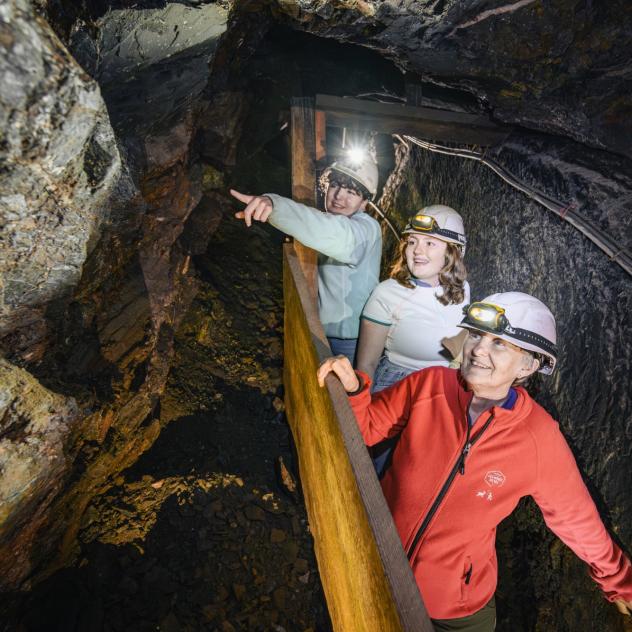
<point>459,466</point>
<point>468,575</point>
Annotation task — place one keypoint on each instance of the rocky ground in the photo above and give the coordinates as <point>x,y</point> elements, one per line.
<point>206,531</point>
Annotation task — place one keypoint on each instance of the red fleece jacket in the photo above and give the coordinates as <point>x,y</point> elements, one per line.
<point>522,452</point>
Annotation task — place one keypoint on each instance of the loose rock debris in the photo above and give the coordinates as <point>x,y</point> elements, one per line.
<point>207,553</point>
<point>207,530</point>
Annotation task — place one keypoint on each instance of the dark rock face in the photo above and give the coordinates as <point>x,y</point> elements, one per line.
<point>558,67</point>
<point>151,63</point>
<point>515,244</point>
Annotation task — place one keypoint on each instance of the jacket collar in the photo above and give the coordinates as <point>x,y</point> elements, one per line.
<point>521,408</point>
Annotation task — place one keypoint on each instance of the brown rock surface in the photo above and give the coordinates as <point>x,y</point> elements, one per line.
<point>35,425</point>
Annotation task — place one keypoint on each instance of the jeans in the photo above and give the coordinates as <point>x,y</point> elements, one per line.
<point>345,347</point>
<point>386,374</point>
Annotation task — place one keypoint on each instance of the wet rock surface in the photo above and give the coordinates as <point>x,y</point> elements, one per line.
<point>204,531</point>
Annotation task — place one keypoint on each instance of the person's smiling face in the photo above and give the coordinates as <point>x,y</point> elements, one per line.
<point>491,365</point>
<point>425,257</point>
<point>342,200</point>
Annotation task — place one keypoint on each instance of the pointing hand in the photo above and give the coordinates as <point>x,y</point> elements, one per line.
<point>258,207</point>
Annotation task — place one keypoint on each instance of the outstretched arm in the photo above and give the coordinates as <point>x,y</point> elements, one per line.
<point>336,236</point>
<point>570,513</point>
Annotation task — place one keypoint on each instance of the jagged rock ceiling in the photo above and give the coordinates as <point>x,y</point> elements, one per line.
<point>559,67</point>
<point>104,207</point>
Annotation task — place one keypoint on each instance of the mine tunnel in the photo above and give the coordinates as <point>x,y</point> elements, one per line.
<point>154,467</point>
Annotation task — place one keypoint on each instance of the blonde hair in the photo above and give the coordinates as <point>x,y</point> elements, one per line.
<point>451,278</point>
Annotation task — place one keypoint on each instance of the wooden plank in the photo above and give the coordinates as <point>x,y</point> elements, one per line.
<point>303,147</point>
<point>427,123</point>
<point>366,578</point>
<point>320,135</point>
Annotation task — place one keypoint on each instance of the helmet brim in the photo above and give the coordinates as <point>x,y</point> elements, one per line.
<point>449,240</point>
<point>546,368</point>
<point>354,176</point>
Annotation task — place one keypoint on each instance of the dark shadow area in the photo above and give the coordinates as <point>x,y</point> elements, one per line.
<point>203,565</point>
<point>212,441</point>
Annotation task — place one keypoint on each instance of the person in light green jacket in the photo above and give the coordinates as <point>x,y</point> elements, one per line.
<point>348,241</point>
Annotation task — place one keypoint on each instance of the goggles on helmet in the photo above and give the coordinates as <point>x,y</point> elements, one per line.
<point>424,222</point>
<point>427,224</point>
<point>492,319</point>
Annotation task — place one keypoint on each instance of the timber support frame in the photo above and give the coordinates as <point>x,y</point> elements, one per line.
<point>368,583</point>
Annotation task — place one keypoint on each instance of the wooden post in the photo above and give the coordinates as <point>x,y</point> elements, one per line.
<point>320,140</point>
<point>303,143</point>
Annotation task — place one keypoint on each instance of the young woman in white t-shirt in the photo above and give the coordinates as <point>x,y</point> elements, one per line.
<point>407,315</point>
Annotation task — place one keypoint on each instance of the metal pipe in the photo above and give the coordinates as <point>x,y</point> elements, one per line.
<point>565,212</point>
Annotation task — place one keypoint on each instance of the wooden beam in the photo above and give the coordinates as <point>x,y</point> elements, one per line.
<point>303,147</point>
<point>426,123</point>
<point>320,134</point>
<point>367,581</point>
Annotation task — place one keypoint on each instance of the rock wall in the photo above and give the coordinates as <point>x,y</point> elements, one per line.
<point>60,165</point>
<point>515,244</point>
<point>95,278</point>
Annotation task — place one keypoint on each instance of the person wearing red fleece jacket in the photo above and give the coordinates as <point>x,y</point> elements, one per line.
<point>473,442</point>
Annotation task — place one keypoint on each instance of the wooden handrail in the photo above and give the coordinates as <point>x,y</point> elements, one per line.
<point>366,578</point>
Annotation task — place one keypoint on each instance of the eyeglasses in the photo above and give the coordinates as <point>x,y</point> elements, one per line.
<point>487,315</point>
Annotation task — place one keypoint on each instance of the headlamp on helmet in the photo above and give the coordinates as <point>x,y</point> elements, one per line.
<point>492,318</point>
<point>438,220</point>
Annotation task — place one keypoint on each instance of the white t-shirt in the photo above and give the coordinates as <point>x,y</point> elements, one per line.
<point>417,322</point>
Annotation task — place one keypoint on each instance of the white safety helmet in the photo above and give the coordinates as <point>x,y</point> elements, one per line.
<point>519,318</point>
<point>363,171</point>
<point>441,221</point>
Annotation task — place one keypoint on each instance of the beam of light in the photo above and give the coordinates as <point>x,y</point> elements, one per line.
<point>356,155</point>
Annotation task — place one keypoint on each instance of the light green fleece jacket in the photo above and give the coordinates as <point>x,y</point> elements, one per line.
<point>348,262</point>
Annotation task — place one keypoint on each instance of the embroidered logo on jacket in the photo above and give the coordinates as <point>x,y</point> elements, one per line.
<point>487,495</point>
<point>495,478</point>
